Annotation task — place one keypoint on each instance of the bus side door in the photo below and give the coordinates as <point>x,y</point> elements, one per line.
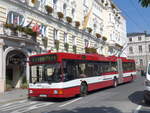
<point>120,70</point>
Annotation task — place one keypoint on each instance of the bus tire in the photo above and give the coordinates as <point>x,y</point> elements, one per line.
<point>115,83</point>
<point>131,78</point>
<point>83,89</point>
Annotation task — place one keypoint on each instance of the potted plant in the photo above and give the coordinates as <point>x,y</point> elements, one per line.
<point>8,28</point>
<point>48,9</point>
<point>98,35</point>
<point>57,44</point>
<point>89,29</point>
<point>69,19</point>
<point>87,50</point>
<point>104,38</point>
<point>66,45</point>
<point>77,24</point>
<point>113,6</point>
<point>74,48</point>
<point>60,15</point>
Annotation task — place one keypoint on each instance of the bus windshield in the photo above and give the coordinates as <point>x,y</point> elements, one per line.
<point>45,73</point>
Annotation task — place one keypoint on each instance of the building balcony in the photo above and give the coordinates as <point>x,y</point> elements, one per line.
<point>14,35</point>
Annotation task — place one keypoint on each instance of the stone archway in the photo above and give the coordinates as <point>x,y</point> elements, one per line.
<point>15,68</point>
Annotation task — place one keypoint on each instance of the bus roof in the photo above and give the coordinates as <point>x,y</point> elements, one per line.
<point>92,57</point>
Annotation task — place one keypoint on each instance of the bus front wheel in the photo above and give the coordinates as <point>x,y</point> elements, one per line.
<point>83,89</point>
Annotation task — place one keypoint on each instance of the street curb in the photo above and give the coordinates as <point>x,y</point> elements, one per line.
<point>13,100</point>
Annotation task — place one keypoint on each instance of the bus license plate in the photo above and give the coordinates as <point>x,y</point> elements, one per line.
<point>43,95</point>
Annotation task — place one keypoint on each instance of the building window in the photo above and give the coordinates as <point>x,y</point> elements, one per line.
<point>74,40</point>
<point>86,43</point>
<point>15,18</point>
<point>110,17</point>
<point>54,2</point>
<point>149,47</point>
<point>56,34</point>
<point>73,12</point>
<point>139,38</point>
<point>130,50</point>
<point>65,37</point>
<point>85,2</point>
<point>140,49</point>
<point>130,39</point>
<point>141,62</point>
<point>64,8</point>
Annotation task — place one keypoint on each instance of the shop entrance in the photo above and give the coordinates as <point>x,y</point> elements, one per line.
<point>15,69</point>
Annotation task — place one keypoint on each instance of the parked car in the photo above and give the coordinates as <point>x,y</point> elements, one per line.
<point>147,84</point>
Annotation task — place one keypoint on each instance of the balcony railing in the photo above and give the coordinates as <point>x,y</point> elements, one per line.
<point>16,35</point>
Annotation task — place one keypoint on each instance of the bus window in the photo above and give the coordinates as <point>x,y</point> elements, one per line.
<point>113,67</point>
<point>70,70</point>
<point>45,72</point>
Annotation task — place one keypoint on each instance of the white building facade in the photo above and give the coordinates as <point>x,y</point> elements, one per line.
<point>30,27</point>
<point>139,49</point>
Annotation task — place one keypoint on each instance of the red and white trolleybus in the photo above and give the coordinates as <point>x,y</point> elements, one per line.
<point>64,75</point>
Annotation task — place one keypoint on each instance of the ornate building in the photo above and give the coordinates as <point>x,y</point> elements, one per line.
<point>29,27</point>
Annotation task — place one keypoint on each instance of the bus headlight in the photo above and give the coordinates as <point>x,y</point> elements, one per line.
<point>55,91</point>
<point>147,83</point>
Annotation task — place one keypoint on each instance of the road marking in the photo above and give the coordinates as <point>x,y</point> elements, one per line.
<point>23,110</point>
<point>16,106</point>
<point>137,109</point>
<point>22,101</point>
<point>70,102</point>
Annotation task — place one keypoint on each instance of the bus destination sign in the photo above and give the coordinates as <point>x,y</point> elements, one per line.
<point>44,58</point>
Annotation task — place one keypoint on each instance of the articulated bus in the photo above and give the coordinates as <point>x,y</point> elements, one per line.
<point>63,75</point>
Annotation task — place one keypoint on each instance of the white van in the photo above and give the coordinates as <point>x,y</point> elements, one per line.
<point>147,85</point>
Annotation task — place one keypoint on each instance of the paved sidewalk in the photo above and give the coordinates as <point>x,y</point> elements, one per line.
<point>13,95</point>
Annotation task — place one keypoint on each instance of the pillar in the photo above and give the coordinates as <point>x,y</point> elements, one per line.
<point>2,78</point>
<point>27,70</point>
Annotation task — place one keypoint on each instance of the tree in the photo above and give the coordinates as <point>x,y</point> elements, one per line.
<point>145,3</point>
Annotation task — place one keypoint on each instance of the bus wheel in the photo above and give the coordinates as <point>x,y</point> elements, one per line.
<point>131,78</point>
<point>115,84</point>
<point>83,89</point>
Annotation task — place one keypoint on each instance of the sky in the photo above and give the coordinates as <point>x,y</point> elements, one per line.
<point>137,17</point>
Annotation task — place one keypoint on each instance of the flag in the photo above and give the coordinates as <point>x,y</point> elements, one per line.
<point>22,21</point>
<point>28,25</point>
<point>43,30</point>
<point>86,19</point>
<point>36,28</point>
<point>12,18</point>
<point>16,20</point>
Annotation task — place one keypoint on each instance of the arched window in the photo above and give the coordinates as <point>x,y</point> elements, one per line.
<point>15,18</point>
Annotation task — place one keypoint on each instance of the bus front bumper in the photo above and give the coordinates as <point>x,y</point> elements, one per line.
<point>44,93</point>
